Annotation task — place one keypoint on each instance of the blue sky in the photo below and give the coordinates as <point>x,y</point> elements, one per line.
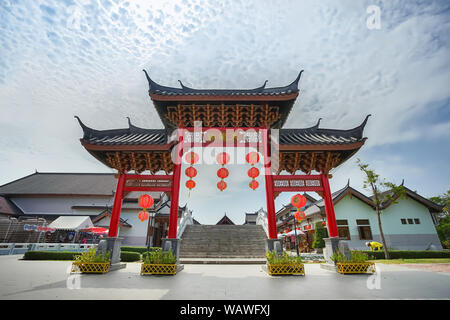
<point>78,57</point>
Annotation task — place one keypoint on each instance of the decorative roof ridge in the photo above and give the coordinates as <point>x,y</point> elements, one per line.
<point>153,87</point>
<point>292,86</point>
<point>354,132</point>
<point>90,133</point>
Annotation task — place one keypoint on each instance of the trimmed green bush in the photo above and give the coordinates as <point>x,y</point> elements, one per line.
<point>50,255</point>
<point>92,256</point>
<point>160,257</point>
<point>128,256</point>
<point>319,234</point>
<point>138,249</point>
<point>273,258</point>
<point>403,254</point>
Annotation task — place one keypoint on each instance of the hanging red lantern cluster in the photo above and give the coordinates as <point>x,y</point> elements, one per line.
<point>253,158</point>
<point>222,158</point>
<point>191,172</point>
<point>145,202</point>
<point>298,201</point>
<point>308,227</point>
<point>324,223</point>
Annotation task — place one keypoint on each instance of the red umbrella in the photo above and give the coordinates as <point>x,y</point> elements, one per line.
<point>96,230</point>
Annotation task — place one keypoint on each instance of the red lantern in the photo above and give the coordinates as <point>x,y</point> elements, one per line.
<point>191,157</point>
<point>252,158</point>
<point>222,173</point>
<point>143,215</point>
<point>324,223</point>
<point>191,172</point>
<point>299,215</point>
<point>146,201</point>
<point>223,158</point>
<point>253,172</point>
<point>190,184</point>
<point>253,184</point>
<point>222,185</point>
<point>308,227</point>
<point>298,201</point>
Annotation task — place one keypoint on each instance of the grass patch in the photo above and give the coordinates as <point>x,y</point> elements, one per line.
<point>404,261</point>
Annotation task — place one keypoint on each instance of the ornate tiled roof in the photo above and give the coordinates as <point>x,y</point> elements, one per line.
<point>155,88</point>
<point>131,135</point>
<point>139,136</point>
<point>317,136</point>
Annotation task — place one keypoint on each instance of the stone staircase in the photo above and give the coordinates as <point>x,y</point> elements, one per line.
<point>223,241</point>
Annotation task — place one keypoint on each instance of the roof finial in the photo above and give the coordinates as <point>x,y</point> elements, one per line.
<point>365,121</point>
<point>264,85</point>
<point>298,77</point>
<point>129,122</point>
<point>318,122</point>
<point>294,84</point>
<point>86,130</point>
<point>403,181</point>
<point>150,81</point>
<point>348,182</point>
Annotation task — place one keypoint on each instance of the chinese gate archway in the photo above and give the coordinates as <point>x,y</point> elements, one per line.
<point>261,111</point>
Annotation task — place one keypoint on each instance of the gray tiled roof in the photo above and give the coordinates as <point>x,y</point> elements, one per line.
<point>156,88</point>
<point>138,136</point>
<point>131,135</point>
<point>62,183</point>
<point>316,135</point>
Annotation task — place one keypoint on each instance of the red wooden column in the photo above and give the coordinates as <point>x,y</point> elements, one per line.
<point>117,207</point>
<point>271,220</point>
<point>174,201</point>
<point>329,208</point>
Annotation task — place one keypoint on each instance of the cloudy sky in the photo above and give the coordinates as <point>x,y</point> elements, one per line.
<point>79,57</point>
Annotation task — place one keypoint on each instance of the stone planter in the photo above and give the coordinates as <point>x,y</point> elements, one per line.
<point>286,269</point>
<point>90,267</point>
<point>355,267</point>
<point>165,269</point>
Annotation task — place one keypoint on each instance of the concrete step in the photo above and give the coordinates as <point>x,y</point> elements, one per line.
<point>212,241</point>
<point>223,260</point>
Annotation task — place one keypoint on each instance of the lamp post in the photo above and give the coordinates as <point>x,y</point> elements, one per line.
<point>151,216</point>
<point>293,211</point>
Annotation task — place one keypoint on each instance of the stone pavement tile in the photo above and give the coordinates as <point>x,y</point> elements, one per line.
<point>51,280</point>
<point>438,267</point>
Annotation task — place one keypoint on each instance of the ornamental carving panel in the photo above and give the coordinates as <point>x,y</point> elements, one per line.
<point>223,115</point>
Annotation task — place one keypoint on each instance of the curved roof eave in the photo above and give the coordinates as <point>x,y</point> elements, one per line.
<point>155,88</point>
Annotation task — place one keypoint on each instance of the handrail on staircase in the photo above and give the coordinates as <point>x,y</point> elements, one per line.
<point>185,220</point>
<point>261,220</point>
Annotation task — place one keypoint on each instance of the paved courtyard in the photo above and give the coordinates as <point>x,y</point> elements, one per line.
<point>51,280</point>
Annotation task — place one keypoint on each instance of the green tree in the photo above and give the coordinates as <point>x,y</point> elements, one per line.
<point>383,193</point>
<point>319,233</point>
<point>443,228</point>
<point>444,201</point>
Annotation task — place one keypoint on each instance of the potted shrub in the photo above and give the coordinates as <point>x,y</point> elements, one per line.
<point>159,262</point>
<point>91,262</point>
<point>284,264</point>
<point>357,263</point>
<point>319,233</point>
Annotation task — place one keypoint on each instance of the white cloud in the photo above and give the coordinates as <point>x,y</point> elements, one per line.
<point>60,59</point>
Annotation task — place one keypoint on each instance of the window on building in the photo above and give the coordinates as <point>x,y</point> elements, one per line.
<point>416,221</point>
<point>403,221</point>
<point>410,221</point>
<point>365,233</point>
<point>343,230</point>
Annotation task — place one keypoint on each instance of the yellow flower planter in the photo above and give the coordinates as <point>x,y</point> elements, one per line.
<point>355,267</point>
<point>90,267</point>
<point>168,269</point>
<point>286,269</point>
